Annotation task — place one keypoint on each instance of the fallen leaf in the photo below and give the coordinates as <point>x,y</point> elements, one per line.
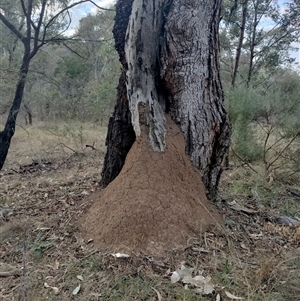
<point>42,229</point>
<point>256,236</point>
<point>159,297</point>
<point>201,250</point>
<point>76,290</point>
<point>54,288</point>
<point>184,271</point>
<point>95,295</point>
<point>79,277</point>
<point>175,277</point>
<point>209,288</point>
<point>218,298</point>
<point>203,284</point>
<point>233,297</point>
<point>56,265</point>
<point>243,246</point>
<point>120,255</point>
<point>232,203</point>
<point>188,279</point>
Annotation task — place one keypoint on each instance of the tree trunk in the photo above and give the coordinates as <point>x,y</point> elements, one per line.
<point>240,43</point>
<point>170,54</point>
<point>120,135</point>
<point>252,42</point>
<point>10,125</point>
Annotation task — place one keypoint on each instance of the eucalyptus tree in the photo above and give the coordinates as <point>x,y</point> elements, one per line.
<point>257,36</point>
<point>169,51</point>
<point>94,41</point>
<point>45,21</point>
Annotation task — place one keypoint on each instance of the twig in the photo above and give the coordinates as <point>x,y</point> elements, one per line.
<point>65,161</point>
<point>17,272</point>
<point>294,192</point>
<point>244,161</point>
<point>279,154</point>
<point>66,147</point>
<point>91,146</point>
<point>102,8</point>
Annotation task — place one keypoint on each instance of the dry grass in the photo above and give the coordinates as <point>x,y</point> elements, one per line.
<point>53,141</point>
<point>41,236</point>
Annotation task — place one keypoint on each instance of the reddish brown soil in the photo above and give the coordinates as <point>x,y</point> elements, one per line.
<point>156,203</point>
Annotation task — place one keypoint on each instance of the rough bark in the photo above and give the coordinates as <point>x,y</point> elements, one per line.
<point>120,135</point>
<point>170,55</point>
<point>190,70</point>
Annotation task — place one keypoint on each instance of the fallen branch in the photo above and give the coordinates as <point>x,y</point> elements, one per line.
<point>294,192</point>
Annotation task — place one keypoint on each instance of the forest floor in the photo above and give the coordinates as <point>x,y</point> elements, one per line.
<point>48,175</point>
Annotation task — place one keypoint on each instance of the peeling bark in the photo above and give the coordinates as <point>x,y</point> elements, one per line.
<point>141,48</point>
<point>170,55</point>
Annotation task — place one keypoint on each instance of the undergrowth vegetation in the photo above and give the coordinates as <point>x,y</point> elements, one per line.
<point>266,124</point>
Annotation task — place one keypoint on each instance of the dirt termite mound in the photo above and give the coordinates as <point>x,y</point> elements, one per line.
<point>156,203</point>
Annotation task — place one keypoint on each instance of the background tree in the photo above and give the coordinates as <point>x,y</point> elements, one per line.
<point>44,22</point>
<point>170,66</point>
<point>257,36</point>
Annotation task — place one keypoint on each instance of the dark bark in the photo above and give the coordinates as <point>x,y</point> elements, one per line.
<point>10,125</point>
<point>191,72</point>
<point>120,135</point>
<point>170,55</point>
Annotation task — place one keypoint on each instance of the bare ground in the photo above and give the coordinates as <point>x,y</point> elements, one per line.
<point>45,256</point>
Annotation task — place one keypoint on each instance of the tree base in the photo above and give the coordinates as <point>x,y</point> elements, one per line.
<point>157,202</point>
